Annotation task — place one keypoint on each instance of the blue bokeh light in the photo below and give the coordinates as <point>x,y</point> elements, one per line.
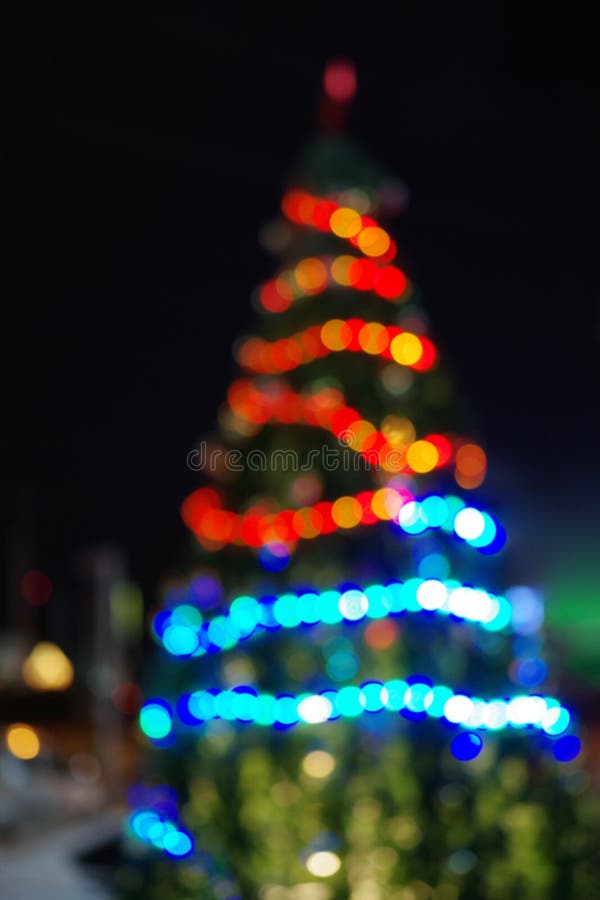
<point>466,746</point>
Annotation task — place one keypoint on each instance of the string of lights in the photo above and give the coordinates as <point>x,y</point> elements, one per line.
<point>414,694</point>
<point>336,335</point>
<point>314,275</point>
<point>183,632</point>
<point>394,448</point>
<point>204,515</point>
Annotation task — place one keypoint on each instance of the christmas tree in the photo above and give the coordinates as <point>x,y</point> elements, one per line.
<point>351,701</point>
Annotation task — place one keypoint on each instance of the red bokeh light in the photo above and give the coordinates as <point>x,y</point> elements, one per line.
<point>339,80</point>
<point>36,587</point>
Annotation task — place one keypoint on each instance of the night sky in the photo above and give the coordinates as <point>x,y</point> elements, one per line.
<point>145,146</point>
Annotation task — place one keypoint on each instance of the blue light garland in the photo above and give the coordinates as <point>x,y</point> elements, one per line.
<point>476,528</point>
<point>184,633</point>
<point>246,705</point>
<point>161,833</point>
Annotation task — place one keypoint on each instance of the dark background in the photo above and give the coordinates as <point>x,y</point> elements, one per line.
<point>145,146</point>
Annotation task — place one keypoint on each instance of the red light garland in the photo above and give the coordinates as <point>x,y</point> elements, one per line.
<point>327,409</point>
<point>203,512</point>
<point>354,335</point>
<point>214,526</point>
<point>313,275</point>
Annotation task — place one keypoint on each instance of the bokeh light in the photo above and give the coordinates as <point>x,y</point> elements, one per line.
<point>318,764</point>
<point>22,741</point>
<point>47,668</point>
<point>36,587</point>
<point>323,863</point>
<point>339,80</point>
<point>466,746</point>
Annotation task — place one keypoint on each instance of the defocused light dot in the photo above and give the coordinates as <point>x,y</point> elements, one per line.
<point>315,709</point>
<point>556,720</point>
<point>36,587</point>
<point>422,456</point>
<point>127,698</point>
<point>373,241</point>
<point>488,533</point>
<point>434,565</point>
<point>323,863</point>
<point>373,696</point>
<point>373,338</point>
<point>466,746</point>
<point>567,748</point>
<point>435,700</point>
<point>340,269</point>
<point>336,334</point>
<point>391,283</point>
<point>398,430</point>
<point>530,672</point>
<point>342,665</point>
<point>406,348</point>
<point>47,668</point>
<point>469,523</point>
<point>311,275</point>
<point>353,605</point>
<point>177,843</point>
<point>396,380</point>
<point>180,640</point>
<point>345,222</point>
<point>141,822</point>
<point>415,697</point>
<point>395,692</point>
<point>22,741</point>
<point>348,701</point>
<point>274,557</point>
<point>339,80</point>
<point>458,708</point>
<point>346,512</point>
<point>527,609</point>
<point>318,764</point>
<point>409,513</point>
<point>527,710</point>
<point>155,720</point>
<point>431,594</point>
<point>460,862</point>
<point>434,510</point>
<point>381,634</point>
<point>495,714</point>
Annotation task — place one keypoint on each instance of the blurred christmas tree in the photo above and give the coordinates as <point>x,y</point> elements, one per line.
<point>324,735</point>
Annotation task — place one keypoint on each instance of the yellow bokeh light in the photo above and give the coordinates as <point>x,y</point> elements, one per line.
<point>47,668</point>
<point>386,503</point>
<point>311,275</point>
<point>323,864</point>
<point>22,741</point>
<point>345,222</point>
<point>340,269</point>
<point>306,522</point>
<point>336,334</point>
<point>318,764</point>
<point>422,456</point>
<point>406,348</point>
<point>373,241</point>
<point>359,435</point>
<point>346,512</point>
<point>373,338</point>
<point>398,430</point>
